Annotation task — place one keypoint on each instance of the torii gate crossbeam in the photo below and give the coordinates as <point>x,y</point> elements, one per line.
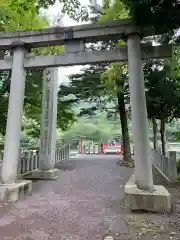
<point>83,58</point>
<point>109,30</point>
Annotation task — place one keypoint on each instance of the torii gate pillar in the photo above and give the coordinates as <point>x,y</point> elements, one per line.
<point>140,191</point>
<point>9,189</point>
<point>143,169</point>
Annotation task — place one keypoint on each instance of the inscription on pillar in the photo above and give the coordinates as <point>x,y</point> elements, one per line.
<point>48,121</point>
<point>46,97</point>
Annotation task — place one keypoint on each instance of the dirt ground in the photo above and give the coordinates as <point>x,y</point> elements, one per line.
<point>85,203</point>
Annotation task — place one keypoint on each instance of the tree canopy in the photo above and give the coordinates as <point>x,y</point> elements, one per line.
<point>22,15</point>
<point>163,15</point>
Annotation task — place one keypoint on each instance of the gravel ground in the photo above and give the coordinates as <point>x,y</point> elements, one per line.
<point>85,203</point>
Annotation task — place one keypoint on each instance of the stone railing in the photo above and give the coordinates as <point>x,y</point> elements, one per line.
<point>29,160</point>
<point>165,165</point>
<point>62,153</point>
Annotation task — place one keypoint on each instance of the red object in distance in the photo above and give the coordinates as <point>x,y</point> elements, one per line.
<point>105,146</point>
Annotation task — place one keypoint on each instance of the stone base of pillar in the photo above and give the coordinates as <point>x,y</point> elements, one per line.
<point>158,201</point>
<point>51,174</point>
<point>15,191</point>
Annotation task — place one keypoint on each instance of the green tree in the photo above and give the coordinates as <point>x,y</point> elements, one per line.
<point>113,11</point>
<point>162,94</point>
<point>22,15</point>
<point>115,79</point>
<point>95,128</point>
<point>32,108</point>
<point>163,15</point>
<point>73,8</point>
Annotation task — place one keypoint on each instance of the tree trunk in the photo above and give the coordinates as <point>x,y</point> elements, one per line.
<point>162,132</point>
<point>124,126</point>
<point>154,132</point>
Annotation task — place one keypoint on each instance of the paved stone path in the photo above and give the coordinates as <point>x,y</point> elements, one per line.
<point>85,203</point>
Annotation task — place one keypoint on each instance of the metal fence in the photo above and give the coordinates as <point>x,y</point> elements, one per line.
<point>166,165</point>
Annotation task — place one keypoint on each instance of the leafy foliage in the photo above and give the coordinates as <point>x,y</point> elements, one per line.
<point>163,15</point>
<point>86,86</point>
<point>113,10</point>
<point>114,78</point>
<point>162,95</point>
<point>97,128</point>
<point>72,8</point>
<point>22,15</point>
<point>163,91</point>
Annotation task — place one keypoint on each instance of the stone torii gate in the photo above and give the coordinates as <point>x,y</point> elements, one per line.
<point>142,189</point>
